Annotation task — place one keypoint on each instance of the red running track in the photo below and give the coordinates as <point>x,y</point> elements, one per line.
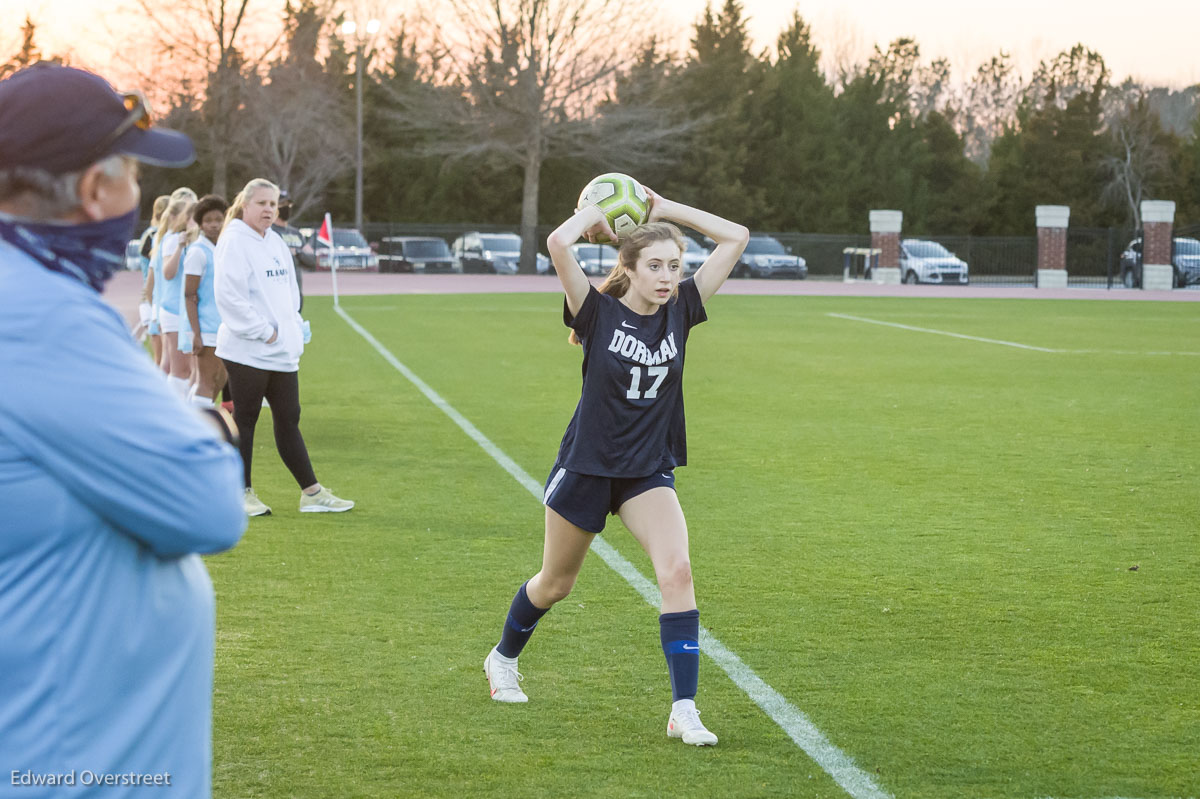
<point>125,287</point>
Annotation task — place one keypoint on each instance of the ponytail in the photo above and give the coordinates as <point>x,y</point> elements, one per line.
<point>235,209</point>
<point>160,207</point>
<point>175,208</point>
<point>617,281</point>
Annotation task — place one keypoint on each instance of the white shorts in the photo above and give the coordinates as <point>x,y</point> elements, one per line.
<point>168,320</point>
<point>207,339</point>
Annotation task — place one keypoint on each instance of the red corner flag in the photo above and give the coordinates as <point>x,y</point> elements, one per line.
<point>325,234</point>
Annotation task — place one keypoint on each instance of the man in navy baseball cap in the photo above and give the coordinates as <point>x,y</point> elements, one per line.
<point>111,486</point>
<point>60,119</point>
<point>69,149</point>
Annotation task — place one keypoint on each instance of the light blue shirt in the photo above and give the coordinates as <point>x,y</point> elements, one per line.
<point>172,289</point>
<point>147,233</point>
<point>206,306</point>
<point>156,266</point>
<point>109,485</point>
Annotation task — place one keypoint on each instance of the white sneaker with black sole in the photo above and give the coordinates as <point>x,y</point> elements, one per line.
<point>253,505</point>
<point>685,723</point>
<point>504,681</point>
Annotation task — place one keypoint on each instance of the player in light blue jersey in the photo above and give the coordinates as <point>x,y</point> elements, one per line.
<point>200,320</point>
<point>147,322</point>
<point>621,447</point>
<point>177,232</point>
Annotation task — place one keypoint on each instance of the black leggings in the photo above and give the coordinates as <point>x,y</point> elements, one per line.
<point>249,386</point>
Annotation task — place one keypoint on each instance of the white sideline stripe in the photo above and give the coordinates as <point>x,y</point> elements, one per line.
<point>942,333</point>
<point>856,782</point>
<point>1005,343</point>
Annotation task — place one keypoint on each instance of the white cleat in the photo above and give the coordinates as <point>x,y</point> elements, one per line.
<point>685,723</point>
<point>503,678</point>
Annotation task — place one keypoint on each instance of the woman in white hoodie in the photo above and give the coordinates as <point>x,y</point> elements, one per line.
<point>261,338</point>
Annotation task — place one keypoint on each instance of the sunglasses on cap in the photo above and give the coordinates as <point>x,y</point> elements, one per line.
<point>137,116</point>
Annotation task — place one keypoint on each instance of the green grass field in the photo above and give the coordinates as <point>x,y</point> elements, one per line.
<point>926,544</point>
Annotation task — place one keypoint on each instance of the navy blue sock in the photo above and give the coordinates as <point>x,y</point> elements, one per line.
<point>680,634</point>
<point>523,616</point>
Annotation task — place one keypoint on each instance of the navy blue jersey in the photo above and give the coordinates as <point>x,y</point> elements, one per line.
<point>629,421</point>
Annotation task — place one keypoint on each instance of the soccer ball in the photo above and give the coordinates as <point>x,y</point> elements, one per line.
<point>621,198</point>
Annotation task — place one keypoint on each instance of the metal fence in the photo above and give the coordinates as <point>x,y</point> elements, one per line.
<point>1093,254</point>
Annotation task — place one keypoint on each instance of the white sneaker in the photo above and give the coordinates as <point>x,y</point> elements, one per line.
<point>503,678</point>
<point>685,723</point>
<point>253,505</point>
<point>323,502</point>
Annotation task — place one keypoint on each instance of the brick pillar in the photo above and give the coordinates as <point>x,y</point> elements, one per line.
<point>1158,216</point>
<point>885,237</point>
<point>1052,246</point>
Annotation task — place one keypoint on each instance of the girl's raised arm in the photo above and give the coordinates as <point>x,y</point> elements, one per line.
<point>587,220</point>
<point>730,237</point>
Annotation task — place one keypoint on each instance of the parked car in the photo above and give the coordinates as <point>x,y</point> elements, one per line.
<point>425,254</point>
<point>923,261</point>
<point>493,253</point>
<point>694,255</point>
<point>595,259</point>
<point>488,253</point>
<point>350,251</point>
<point>764,256</point>
<point>1186,260</point>
<point>133,254</point>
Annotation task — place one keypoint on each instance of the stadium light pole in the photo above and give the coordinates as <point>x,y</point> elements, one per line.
<point>350,28</point>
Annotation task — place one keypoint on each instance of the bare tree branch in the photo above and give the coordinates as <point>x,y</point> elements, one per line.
<point>1140,157</point>
<point>519,80</point>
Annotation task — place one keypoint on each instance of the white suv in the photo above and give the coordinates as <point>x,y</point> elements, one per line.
<point>923,261</point>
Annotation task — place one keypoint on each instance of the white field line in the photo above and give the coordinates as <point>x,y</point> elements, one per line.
<point>1000,341</point>
<point>856,782</point>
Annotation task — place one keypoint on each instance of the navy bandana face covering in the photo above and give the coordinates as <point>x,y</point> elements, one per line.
<point>90,252</point>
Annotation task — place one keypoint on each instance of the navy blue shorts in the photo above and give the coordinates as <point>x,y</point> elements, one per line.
<point>586,500</point>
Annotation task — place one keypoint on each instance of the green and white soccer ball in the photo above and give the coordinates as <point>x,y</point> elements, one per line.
<point>621,198</point>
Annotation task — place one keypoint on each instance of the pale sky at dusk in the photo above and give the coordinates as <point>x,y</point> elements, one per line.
<point>1153,40</point>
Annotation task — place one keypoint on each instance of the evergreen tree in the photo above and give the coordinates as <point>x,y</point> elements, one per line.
<point>717,84</point>
<point>881,148</point>
<point>952,183</point>
<point>1055,151</point>
<point>1185,166</point>
<point>793,156</point>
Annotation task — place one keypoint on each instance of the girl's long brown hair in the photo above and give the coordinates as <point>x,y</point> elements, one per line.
<point>617,281</point>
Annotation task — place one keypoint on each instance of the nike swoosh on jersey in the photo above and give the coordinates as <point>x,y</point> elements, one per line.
<point>666,475</point>
<point>631,327</point>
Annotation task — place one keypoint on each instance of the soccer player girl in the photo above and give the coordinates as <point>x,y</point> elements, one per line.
<point>201,320</point>
<point>147,316</point>
<point>175,233</point>
<point>627,435</point>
